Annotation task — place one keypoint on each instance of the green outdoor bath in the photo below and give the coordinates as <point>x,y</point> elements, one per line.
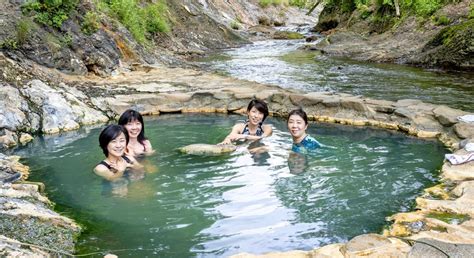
<point>219,205</point>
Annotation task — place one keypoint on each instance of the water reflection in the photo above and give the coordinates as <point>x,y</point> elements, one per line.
<point>241,202</point>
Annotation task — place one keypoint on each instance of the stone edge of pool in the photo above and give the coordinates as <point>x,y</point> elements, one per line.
<point>49,108</point>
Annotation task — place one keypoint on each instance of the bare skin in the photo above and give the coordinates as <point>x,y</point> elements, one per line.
<point>255,117</point>
<point>118,165</point>
<point>297,127</point>
<point>134,147</point>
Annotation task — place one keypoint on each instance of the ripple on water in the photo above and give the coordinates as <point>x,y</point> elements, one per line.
<point>222,205</point>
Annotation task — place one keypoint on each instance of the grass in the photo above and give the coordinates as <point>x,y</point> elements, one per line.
<point>143,20</point>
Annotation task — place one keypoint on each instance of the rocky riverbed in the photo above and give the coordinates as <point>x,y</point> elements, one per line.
<point>37,99</point>
<point>46,107</point>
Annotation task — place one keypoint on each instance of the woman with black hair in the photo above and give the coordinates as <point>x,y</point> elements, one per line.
<point>253,128</point>
<point>297,124</point>
<point>133,122</point>
<point>113,141</point>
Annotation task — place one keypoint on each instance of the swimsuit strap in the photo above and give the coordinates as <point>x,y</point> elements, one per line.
<point>127,159</point>
<point>259,131</point>
<point>105,164</point>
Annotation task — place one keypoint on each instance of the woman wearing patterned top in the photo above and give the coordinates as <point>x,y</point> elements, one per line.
<point>297,125</point>
<point>253,128</point>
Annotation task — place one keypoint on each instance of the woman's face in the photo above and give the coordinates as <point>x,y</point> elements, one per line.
<point>134,128</point>
<point>117,146</point>
<point>297,126</point>
<point>255,116</point>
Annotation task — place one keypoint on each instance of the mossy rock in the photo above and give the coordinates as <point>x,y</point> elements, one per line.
<point>207,149</point>
<point>452,47</point>
<point>287,35</point>
<point>50,234</point>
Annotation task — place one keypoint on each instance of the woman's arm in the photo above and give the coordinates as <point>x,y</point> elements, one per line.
<point>235,134</point>
<point>106,173</point>
<point>148,147</point>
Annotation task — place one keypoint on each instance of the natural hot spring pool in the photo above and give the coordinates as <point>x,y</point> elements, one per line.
<point>222,205</point>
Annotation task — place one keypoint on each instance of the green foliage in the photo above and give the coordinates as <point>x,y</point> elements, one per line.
<point>66,40</point>
<point>23,30</point>
<point>91,24</point>
<point>303,3</point>
<point>471,12</point>
<point>142,20</point>
<point>235,25</point>
<point>266,3</point>
<point>441,20</point>
<point>50,12</point>
<point>423,8</point>
<point>9,43</point>
<point>155,20</point>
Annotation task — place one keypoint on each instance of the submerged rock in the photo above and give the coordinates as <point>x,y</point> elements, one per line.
<point>207,149</point>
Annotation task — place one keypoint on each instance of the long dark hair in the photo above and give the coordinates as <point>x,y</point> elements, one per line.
<point>260,105</point>
<point>108,134</point>
<point>130,115</point>
<point>299,112</point>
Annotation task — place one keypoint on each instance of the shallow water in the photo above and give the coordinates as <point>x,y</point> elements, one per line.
<point>279,62</point>
<point>221,205</point>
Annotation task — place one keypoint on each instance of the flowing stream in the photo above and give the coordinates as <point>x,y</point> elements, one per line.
<point>280,62</point>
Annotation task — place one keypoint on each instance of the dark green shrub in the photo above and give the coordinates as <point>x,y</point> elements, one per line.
<point>441,20</point>
<point>91,24</point>
<point>9,43</point>
<point>50,12</point>
<point>142,20</point>
<point>23,30</point>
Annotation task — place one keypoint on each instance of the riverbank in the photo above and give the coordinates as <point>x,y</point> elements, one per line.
<point>407,39</point>
<point>38,100</point>
<point>157,90</point>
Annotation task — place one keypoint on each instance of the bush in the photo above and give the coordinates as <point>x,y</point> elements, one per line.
<point>9,43</point>
<point>91,24</point>
<point>441,20</point>
<point>266,3</point>
<point>142,20</point>
<point>23,30</point>
<point>235,25</point>
<point>50,12</point>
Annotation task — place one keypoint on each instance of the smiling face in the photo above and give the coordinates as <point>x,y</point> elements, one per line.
<point>116,147</point>
<point>134,127</point>
<point>297,126</point>
<point>255,116</point>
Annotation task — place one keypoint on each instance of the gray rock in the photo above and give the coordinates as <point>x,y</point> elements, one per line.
<point>447,116</point>
<point>464,130</point>
<point>433,248</point>
<point>11,104</point>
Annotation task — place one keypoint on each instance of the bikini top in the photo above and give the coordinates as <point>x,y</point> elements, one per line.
<point>259,131</point>
<point>107,165</point>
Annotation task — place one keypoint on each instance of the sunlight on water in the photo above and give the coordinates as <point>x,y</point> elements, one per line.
<point>222,205</point>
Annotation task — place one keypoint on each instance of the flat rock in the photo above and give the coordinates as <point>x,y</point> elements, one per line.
<point>447,116</point>
<point>434,249</point>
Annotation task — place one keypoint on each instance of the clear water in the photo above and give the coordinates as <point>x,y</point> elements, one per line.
<point>221,205</point>
<point>279,62</point>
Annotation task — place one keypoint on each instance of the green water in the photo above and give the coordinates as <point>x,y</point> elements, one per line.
<point>223,205</point>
